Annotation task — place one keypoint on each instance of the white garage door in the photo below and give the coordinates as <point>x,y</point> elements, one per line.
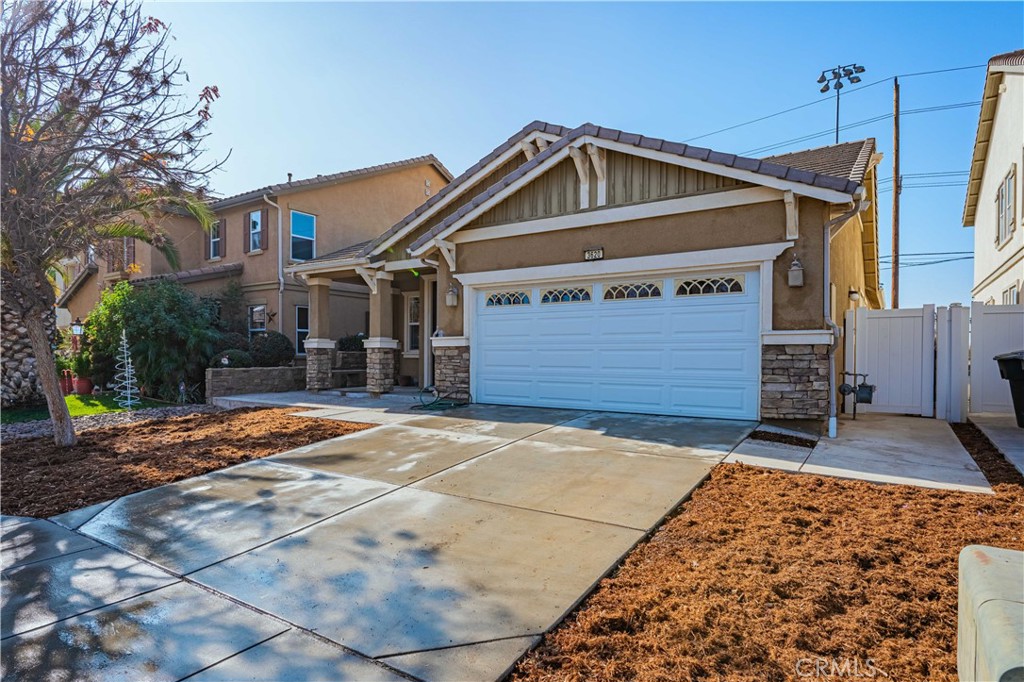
<point>681,345</point>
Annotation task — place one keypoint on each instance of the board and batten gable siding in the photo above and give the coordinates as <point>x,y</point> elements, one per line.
<point>634,178</point>
<point>631,179</point>
<point>398,251</point>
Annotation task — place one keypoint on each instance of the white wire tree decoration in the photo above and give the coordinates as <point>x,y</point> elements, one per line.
<point>124,381</point>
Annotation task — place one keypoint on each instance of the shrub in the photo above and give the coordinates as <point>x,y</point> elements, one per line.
<point>352,343</point>
<point>232,357</point>
<point>271,349</point>
<point>172,333</point>
<point>231,341</point>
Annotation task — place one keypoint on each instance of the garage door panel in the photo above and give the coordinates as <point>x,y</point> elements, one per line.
<point>508,358</point>
<point>565,392</point>
<point>568,359</point>
<point>631,359</point>
<point>713,399</point>
<point>738,320</point>
<point>692,355</point>
<point>729,361</point>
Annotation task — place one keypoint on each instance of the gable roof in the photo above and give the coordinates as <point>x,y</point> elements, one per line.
<point>997,66</point>
<point>850,167</point>
<point>76,284</point>
<point>459,184</point>
<point>332,178</point>
<point>195,275</point>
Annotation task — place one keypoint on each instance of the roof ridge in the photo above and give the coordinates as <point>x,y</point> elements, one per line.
<point>814,149</point>
<point>533,126</point>
<point>329,177</point>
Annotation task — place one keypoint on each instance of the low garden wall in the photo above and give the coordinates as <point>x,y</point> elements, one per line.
<point>238,380</point>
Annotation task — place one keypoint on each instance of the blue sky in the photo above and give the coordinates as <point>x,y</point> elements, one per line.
<point>314,88</point>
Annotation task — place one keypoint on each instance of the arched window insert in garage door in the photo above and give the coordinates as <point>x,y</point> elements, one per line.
<point>632,290</point>
<point>705,286</point>
<point>505,298</point>
<point>566,295</point>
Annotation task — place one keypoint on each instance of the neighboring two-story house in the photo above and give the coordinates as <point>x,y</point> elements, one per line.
<point>261,232</point>
<point>993,206</point>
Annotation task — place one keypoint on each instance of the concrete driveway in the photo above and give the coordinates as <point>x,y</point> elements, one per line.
<point>437,546</point>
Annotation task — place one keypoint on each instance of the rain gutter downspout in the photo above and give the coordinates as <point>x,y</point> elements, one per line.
<point>837,222</point>
<point>280,265</point>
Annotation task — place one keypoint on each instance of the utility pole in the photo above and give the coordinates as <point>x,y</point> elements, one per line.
<point>897,183</point>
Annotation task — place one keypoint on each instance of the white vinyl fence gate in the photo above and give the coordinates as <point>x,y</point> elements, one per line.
<point>995,329</point>
<point>927,361</point>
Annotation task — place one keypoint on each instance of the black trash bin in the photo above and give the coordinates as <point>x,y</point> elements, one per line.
<point>1011,368</point>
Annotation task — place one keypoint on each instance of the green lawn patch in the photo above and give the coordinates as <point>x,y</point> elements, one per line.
<point>78,406</point>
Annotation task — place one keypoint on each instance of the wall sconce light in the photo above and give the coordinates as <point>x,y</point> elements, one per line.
<point>451,297</point>
<point>854,295</point>
<point>796,273</point>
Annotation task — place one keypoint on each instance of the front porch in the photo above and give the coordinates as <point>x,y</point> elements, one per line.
<point>415,325</point>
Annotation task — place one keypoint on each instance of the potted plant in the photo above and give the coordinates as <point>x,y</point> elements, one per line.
<point>82,367</point>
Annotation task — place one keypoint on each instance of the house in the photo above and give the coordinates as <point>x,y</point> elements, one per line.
<point>993,206</point>
<point>597,269</point>
<point>261,231</point>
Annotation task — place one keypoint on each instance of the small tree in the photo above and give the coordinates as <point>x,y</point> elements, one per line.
<point>96,145</point>
<point>125,384</point>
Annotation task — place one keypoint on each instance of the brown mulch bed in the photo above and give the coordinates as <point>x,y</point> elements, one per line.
<point>41,480</point>
<point>764,570</point>
<point>987,456</point>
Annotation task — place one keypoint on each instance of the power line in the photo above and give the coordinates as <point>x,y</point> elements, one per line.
<point>940,174</point>
<point>931,253</point>
<point>934,262</point>
<point>819,101</point>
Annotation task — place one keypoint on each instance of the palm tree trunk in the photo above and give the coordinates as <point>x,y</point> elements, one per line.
<point>63,430</point>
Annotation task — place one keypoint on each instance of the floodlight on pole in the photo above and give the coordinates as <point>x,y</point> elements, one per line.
<point>833,79</point>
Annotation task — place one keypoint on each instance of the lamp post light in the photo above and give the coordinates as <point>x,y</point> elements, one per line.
<point>833,78</point>
<point>76,334</point>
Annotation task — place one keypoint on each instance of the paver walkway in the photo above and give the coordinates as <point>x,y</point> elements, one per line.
<point>435,546</point>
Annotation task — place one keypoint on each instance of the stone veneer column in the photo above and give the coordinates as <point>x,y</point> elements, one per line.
<point>319,363</point>
<point>794,382</point>
<point>451,366</point>
<point>380,364</point>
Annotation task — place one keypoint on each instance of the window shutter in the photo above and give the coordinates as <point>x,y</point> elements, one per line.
<point>130,252</point>
<point>245,233</point>
<point>999,216</point>
<point>207,240</point>
<point>264,228</point>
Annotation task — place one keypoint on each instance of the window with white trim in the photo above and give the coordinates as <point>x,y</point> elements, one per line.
<point>303,236</point>
<point>566,295</point>
<point>301,328</point>
<point>502,298</point>
<point>254,223</point>
<point>257,316</point>
<point>1012,295</point>
<point>1006,207</point>
<point>707,286</point>
<point>632,290</point>
<point>412,325</point>
<point>215,241</point>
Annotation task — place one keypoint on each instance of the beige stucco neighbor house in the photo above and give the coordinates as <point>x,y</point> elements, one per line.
<point>596,269</point>
<point>262,231</point>
<point>993,207</point>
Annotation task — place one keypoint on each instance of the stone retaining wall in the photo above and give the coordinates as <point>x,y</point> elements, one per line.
<point>239,380</point>
<point>794,382</point>
<point>19,384</point>
<point>451,371</point>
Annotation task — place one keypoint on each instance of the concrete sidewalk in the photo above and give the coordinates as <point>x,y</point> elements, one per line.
<point>1004,433</point>
<point>880,448</point>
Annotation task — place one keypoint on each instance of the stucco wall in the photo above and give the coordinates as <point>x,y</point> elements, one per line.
<point>1005,151</point>
<point>795,308</point>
